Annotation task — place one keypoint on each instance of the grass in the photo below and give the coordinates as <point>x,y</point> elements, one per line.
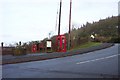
<point>86,45</point>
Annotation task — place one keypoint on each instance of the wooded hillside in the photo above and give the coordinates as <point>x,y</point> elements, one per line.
<point>105,30</point>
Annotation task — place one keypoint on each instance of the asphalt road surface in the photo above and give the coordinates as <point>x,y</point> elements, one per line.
<point>97,64</point>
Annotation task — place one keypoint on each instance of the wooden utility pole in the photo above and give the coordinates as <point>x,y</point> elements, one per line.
<point>59,17</point>
<point>69,39</point>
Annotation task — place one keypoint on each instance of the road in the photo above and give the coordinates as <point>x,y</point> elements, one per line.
<point>97,64</point>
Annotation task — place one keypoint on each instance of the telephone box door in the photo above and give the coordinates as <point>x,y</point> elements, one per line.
<point>61,43</point>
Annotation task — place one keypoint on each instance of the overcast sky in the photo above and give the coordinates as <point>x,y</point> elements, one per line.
<point>27,20</point>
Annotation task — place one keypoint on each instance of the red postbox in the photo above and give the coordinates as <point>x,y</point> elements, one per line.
<point>34,48</point>
<point>61,43</point>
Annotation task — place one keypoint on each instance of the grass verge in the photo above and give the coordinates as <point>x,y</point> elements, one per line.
<point>86,45</point>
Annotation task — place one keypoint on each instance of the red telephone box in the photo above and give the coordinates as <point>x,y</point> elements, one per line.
<point>61,43</point>
<point>34,48</point>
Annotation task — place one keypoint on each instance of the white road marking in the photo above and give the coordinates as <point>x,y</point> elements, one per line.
<point>97,59</point>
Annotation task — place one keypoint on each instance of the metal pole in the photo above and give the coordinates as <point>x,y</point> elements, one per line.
<point>2,48</point>
<point>59,17</point>
<point>69,42</point>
